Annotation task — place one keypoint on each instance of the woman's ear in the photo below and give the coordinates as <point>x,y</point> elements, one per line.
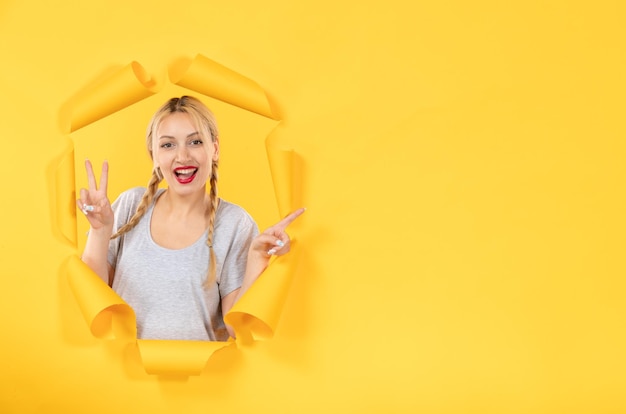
<point>216,147</point>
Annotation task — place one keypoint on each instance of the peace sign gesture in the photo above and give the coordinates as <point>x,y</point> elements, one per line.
<point>93,202</point>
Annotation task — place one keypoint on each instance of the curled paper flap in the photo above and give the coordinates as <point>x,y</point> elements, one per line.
<point>281,166</point>
<point>212,79</point>
<point>257,313</point>
<point>107,315</point>
<point>177,357</point>
<point>64,197</point>
<point>123,88</point>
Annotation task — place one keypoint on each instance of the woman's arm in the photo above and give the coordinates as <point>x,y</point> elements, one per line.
<point>94,203</point>
<point>273,241</point>
<point>95,253</point>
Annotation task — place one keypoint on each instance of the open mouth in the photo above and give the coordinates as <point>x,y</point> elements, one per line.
<point>185,175</point>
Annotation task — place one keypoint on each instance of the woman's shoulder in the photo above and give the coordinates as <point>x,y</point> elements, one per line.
<point>130,199</point>
<point>229,211</point>
<point>130,196</point>
<point>230,208</point>
<point>133,192</point>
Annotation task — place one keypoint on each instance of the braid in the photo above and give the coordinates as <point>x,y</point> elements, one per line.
<point>210,213</point>
<point>146,200</point>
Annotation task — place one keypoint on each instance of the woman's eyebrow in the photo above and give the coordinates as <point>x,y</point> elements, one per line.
<point>172,137</point>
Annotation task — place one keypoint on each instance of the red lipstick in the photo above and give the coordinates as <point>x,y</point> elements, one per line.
<point>186,174</point>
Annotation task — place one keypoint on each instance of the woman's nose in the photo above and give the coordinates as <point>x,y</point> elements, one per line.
<point>182,154</point>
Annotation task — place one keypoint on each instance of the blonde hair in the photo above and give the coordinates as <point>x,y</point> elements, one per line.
<point>206,123</point>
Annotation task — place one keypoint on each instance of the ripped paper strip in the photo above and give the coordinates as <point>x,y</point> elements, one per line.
<point>65,207</point>
<point>208,77</point>
<point>115,92</point>
<point>177,357</point>
<point>108,316</point>
<point>256,314</point>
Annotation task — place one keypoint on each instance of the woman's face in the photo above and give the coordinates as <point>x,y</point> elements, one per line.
<point>184,155</point>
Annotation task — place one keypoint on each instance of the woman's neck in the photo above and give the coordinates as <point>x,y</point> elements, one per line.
<point>183,206</point>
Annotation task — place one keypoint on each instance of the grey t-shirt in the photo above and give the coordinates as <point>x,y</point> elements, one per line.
<point>164,286</point>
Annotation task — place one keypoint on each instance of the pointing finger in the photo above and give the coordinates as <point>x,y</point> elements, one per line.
<point>289,219</point>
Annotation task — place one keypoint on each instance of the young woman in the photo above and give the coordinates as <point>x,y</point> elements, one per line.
<point>180,257</point>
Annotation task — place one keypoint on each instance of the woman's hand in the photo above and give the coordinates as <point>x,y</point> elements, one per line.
<point>274,241</point>
<point>93,202</point>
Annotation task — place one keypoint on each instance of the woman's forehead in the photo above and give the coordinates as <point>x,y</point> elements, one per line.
<point>177,121</point>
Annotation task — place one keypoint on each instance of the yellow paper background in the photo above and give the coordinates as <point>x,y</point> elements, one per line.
<point>463,168</point>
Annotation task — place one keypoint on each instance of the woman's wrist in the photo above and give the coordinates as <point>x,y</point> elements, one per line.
<point>104,231</point>
<point>258,259</point>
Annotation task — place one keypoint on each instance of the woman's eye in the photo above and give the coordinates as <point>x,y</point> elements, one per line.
<point>167,145</point>
<point>196,142</point>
